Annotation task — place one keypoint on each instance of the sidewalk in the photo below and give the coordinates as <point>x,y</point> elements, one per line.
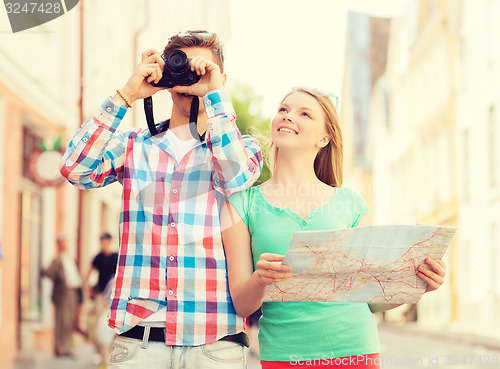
<point>450,334</point>
<point>83,359</point>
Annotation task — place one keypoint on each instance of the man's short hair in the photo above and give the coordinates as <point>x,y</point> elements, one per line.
<point>105,236</point>
<point>197,38</point>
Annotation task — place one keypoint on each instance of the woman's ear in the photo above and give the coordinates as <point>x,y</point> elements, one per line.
<point>323,142</point>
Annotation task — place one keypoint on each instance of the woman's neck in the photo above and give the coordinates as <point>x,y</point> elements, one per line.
<point>294,170</point>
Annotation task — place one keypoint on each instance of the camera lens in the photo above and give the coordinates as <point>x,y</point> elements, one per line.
<point>177,61</point>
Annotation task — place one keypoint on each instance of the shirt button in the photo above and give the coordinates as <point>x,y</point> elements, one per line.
<point>170,292</point>
<point>172,224</point>
<point>174,190</point>
<point>304,223</point>
<point>171,258</point>
<point>108,109</point>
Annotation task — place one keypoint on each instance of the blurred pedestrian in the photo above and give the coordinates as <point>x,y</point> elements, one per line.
<point>66,296</point>
<point>304,193</point>
<point>170,304</point>
<point>104,263</point>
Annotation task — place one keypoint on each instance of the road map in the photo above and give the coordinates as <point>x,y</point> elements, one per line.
<point>374,264</point>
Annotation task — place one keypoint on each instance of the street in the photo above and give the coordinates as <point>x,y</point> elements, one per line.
<point>412,349</point>
<point>401,347</point>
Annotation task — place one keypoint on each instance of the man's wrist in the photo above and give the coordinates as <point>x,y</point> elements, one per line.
<point>217,102</point>
<point>124,97</point>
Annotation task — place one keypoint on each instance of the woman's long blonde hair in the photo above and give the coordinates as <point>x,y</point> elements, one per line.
<point>329,161</point>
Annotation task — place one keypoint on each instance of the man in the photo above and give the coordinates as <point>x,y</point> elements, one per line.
<point>65,295</point>
<point>104,263</point>
<point>171,302</point>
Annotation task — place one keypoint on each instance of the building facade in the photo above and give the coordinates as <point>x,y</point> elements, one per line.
<point>434,126</point>
<point>478,155</point>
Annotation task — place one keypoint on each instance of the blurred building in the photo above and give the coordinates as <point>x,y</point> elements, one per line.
<point>478,155</point>
<point>38,99</point>
<point>432,138</point>
<point>52,78</point>
<point>365,61</point>
<point>415,148</point>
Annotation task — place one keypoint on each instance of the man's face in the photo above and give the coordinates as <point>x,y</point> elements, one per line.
<point>182,102</point>
<point>105,244</point>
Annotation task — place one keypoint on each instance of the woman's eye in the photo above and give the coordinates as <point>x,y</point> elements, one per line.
<point>282,110</point>
<point>306,115</point>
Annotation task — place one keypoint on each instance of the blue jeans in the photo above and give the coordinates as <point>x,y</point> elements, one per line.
<point>128,353</point>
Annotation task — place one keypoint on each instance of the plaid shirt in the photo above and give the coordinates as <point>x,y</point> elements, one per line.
<point>171,252</point>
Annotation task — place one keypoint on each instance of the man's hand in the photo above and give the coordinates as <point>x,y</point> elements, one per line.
<point>139,84</point>
<point>211,78</point>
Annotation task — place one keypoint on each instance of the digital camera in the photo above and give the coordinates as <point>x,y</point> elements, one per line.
<point>177,71</point>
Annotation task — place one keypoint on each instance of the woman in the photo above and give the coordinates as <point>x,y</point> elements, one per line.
<point>304,193</point>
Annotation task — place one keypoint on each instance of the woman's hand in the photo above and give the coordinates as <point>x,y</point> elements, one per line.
<point>271,270</point>
<point>434,277</point>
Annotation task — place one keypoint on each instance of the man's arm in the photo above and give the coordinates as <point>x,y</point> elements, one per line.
<point>237,159</point>
<point>95,155</point>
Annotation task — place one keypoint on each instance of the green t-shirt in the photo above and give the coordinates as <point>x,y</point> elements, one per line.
<point>293,331</point>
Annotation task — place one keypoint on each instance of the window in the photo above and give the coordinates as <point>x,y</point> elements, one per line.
<point>495,257</point>
<point>30,144</point>
<point>466,166</point>
<point>494,149</point>
<point>30,236</point>
<point>30,256</point>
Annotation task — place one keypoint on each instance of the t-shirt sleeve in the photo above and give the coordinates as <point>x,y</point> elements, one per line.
<point>240,202</point>
<point>359,208</point>
<point>95,262</point>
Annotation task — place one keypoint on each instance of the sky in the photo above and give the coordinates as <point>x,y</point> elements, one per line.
<point>278,44</point>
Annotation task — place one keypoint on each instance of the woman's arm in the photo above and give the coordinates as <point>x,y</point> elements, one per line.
<point>434,278</point>
<point>247,287</point>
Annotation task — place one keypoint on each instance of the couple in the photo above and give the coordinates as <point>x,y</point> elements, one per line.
<point>188,208</point>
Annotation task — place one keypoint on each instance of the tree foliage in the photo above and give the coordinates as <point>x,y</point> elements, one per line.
<point>249,119</point>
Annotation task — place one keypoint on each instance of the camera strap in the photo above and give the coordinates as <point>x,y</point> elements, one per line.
<point>148,110</point>
<point>193,117</point>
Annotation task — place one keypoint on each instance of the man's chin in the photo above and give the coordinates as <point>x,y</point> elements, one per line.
<point>185,96</point>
